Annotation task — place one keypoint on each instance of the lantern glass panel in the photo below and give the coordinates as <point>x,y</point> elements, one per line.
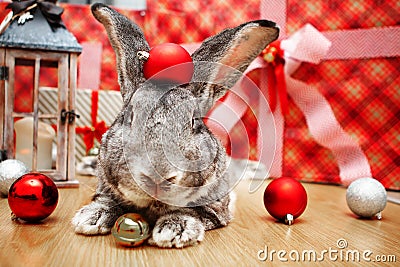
<point>23,89</point>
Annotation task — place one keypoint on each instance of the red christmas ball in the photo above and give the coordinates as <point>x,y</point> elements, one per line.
<point>285,196</point>
<point>169,63</point>
<point>33,197</point>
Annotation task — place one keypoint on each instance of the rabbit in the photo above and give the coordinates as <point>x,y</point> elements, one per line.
<point>158,158</point>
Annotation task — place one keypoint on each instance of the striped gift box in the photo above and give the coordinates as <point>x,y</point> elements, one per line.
<point>110,103</point>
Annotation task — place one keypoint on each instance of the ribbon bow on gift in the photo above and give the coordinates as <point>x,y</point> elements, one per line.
<point>274,56</point>
<point>96,131</point>
<point>50,10</point>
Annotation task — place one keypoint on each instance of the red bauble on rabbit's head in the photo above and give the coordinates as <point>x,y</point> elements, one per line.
<point>169,63</point>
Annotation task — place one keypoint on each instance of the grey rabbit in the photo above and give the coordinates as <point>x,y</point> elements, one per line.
<point>158,158</point>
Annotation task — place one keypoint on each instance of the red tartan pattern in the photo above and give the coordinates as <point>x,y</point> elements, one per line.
<point>192,20</point>
<point>333,15</point>
<point>364,95</point>
<point>365,98</point>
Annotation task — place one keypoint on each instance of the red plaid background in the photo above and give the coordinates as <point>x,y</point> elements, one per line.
<point>365,97</point>
<point>364,94</point>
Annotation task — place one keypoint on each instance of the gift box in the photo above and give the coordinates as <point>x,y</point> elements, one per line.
<point>96,109</point>
<point>343,118</point>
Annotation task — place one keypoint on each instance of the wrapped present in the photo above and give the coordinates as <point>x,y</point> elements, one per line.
<point>343,97</point>
<point>97,109</point>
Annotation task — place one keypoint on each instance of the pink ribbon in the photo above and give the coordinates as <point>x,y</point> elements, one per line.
<point>309,45</point>
<point>364,43</point>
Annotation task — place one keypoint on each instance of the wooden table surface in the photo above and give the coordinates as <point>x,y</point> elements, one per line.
<point>247,241</point>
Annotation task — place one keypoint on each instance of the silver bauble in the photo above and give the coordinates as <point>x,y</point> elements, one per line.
<point>10,170</point>
<point>366,197</point>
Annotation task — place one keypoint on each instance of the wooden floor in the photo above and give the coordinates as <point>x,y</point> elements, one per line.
<point>247,241</point>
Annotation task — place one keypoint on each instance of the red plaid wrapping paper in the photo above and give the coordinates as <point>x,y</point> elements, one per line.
<point>364,95</point>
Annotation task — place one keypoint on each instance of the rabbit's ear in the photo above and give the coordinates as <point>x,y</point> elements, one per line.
<point>221,59</point>
<point>126,39</point>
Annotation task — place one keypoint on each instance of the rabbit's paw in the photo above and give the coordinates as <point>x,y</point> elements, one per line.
<point>177,230</point>
<point>93,219</point>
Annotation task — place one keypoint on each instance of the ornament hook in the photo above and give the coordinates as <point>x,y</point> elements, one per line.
<point>289,219</point>
<point>143,55</point>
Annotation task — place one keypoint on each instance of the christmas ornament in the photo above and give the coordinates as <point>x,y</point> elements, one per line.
<point>167,63</point>
<point>10,170</point>
<point>285,199</point>
<point>366,197</point>
<point>33,197</point>
<point>130,230</point>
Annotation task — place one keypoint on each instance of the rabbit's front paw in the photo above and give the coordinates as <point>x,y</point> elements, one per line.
<point>93,219</point>
<point>177,230</point>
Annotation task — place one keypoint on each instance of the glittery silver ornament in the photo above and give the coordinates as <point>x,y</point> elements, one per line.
<point>366,197</point>
<point>10,170</point>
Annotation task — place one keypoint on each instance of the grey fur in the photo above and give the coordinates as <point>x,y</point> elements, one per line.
<point>158,158</point>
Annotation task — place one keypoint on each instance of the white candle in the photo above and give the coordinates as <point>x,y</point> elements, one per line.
<point>24,143</point>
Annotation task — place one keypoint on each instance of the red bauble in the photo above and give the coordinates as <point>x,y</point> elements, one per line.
<point>285,196</point>
<point>169,63</point>
<point>33,197</point>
